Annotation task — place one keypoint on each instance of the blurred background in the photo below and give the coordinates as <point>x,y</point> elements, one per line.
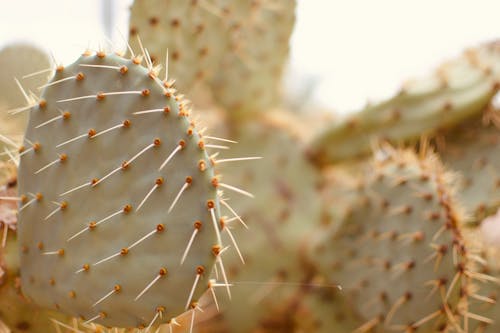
<point>344,53</point>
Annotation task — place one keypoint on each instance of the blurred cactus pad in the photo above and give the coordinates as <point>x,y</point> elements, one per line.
<point>168,188</point>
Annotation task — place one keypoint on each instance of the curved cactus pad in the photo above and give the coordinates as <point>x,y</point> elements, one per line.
<point>119,219</point>
<point>401,255</point>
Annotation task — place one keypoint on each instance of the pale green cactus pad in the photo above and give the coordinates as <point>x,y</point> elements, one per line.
<point>119,218</point>
<point>186,30</point>
<point>18,61</point>
<point>286,206</point>
<point>17,313</point>
<point>400,256</point>
<point>486,296</point>
<point>236,48</point>
<point>474,151</point>
<point>458,90</point>
<point>250,72</point>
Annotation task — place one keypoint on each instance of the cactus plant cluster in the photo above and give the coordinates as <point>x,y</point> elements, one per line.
<point>122,221</point>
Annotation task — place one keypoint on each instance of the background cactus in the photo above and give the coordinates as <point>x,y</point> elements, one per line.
<point>18,60</point>
<point>285,182</point>
<point>237,49</point>
<point>457,90</point>
<point>401,255</point>
<point>472,150</point>
<point>486,236</point>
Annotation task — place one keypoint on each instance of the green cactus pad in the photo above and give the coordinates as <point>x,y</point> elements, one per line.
<point>236,48</point>
<point>474,151</point>
<point>17,313</point>
<point>115,181</point>
<point>458,90</point>
<point>18,60</point>
<point>485,304</point>
<point>286,206</point>
<point>186,30</point>
<point>250,73</point>
<point>400,256</point>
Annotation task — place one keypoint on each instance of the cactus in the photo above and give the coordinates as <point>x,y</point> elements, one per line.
<point>390,233</point>
<point>401,255</point>
<point>472,149</point>
<point>236,48</point>
<point>112,159</point>
<point>16,61</point>
<point>486,304</point>
<point>459,90</point>
<point>249,76</point>
<point>186,30</point>
<point>16,311</point>
<point>325,310</point>
<point>284,183</point>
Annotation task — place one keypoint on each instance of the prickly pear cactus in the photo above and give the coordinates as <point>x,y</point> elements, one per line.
<point>458,90</point>
<point>119,218</point>
<point>400,256</point>
<point>237,48</point>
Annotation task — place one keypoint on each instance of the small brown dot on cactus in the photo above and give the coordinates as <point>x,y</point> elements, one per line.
<point>23,326</point>
<point>153,21</point>
<point>175,23</point>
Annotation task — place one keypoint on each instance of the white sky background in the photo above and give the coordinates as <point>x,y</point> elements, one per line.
<point>344,51</point>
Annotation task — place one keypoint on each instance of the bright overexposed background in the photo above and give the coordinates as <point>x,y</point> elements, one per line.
<point>343,52</point>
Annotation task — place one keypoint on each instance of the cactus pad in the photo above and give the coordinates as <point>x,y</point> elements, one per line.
<point>236,48</point>
<point>473,150</point>
<point>458,90</point>
<point>285,208</point>
<point>115,181</point>
<point>401,256</point>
